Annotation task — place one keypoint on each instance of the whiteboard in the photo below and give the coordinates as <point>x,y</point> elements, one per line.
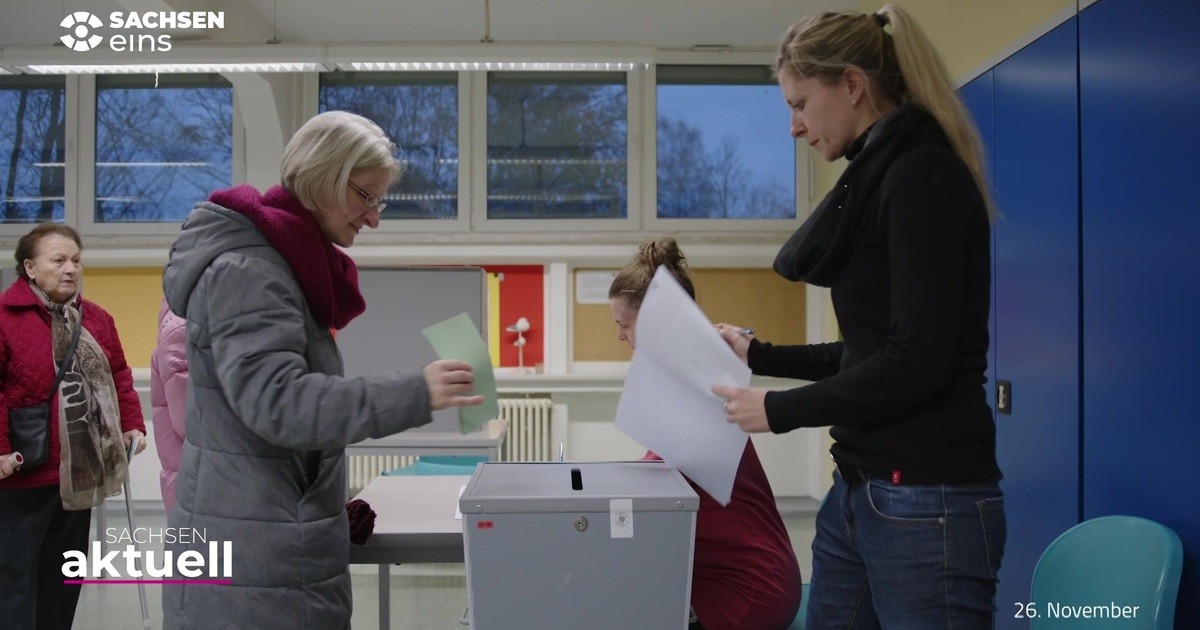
<point>402,301</point>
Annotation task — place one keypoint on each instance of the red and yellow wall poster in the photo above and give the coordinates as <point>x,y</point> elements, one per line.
<point>516,291</point>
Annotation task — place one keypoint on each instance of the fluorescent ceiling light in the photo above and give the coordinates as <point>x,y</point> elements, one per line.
<point>165,68</point>
<point>454,66</point>
<point>154,164</point>
<point>446,57</point>
<point>4,70</point>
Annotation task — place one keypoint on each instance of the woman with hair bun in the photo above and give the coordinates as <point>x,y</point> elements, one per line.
<point>744,574</point>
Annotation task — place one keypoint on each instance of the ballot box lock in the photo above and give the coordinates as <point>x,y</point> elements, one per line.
<point>580,524</point>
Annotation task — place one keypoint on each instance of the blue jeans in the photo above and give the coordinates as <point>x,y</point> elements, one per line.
<point>906,557</point>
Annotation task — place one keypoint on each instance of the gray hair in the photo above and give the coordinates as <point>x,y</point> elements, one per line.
<point>318,160</point>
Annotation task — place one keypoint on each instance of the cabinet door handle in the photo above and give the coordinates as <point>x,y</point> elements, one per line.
<point>1004,397</point>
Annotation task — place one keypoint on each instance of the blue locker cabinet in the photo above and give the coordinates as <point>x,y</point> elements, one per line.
<point>1033,147</point>
<point>1139,78</point>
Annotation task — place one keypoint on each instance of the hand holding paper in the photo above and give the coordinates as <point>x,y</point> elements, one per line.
<point>457,339</point>
<point>746,407</point>
<point>449,382</point>
<point>668,405</point>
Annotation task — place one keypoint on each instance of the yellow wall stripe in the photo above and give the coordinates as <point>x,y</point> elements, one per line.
<point>132,296</point>
<point>493,315</point>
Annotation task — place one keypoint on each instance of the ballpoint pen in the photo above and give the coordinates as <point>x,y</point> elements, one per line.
<point>746,331</point>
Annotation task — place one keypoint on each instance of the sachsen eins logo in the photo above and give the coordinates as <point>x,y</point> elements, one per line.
<point>80,37</point>
<point>81,28</point>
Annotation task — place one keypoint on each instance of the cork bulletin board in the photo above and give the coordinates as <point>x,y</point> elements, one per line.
<point>754,298</point>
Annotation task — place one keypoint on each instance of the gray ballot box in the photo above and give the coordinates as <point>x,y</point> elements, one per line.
<point>578,545</point>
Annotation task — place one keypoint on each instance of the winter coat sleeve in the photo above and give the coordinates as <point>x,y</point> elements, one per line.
<point>171,357</point>
<point>256,323</point>
<point>5,445</point>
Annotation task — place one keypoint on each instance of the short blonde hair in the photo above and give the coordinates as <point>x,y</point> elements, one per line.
<point>318,160</point>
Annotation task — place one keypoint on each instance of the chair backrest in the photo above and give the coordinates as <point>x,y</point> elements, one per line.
<point>1111,564</point>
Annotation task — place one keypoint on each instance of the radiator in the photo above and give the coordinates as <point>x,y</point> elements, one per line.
<point>528,429</point>
<point>363,468</point>
<point>528,440</point>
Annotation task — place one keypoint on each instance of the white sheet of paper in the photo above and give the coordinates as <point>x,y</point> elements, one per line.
<point>667,404</point>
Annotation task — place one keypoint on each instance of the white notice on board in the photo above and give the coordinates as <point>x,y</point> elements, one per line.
<point>591,287</point>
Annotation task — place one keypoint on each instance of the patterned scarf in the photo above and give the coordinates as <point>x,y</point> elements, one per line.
<point>92,461</point>
<point>327,276</point>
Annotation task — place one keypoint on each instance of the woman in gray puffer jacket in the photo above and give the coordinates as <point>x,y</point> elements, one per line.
<point>261,283</point>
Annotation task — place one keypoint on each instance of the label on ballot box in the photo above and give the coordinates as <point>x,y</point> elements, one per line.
<point>560,548</point>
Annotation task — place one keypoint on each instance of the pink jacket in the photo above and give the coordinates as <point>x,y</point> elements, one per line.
<point>168,397</point>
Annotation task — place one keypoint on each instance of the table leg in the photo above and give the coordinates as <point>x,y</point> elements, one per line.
<point>385,596</point>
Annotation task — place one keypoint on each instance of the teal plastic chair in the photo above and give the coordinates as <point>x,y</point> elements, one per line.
<point>798,622</point>
<point>1116,562</point>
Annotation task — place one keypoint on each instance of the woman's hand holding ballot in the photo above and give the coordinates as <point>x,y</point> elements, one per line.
<point>737,338</point>
<point>746,406</point>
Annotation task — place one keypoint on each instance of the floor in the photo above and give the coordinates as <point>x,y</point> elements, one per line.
<point>425,597</point>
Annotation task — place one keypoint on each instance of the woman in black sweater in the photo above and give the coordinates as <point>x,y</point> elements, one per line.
<point>912,531</point>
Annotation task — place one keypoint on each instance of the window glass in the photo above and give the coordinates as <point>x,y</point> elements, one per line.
<point>557,145</point>
<point>32,162</point>
<point>724,151</point>
<point>419,112</point>
<point>161,149</point>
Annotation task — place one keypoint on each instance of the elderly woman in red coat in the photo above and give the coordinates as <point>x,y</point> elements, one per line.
<point>45,509</point>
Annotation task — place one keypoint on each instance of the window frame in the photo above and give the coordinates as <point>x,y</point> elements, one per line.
<point>633,171</point>
<point>471,224</point>
<point>653,223</point>
<point>70,167</point>
<point>85,204</point>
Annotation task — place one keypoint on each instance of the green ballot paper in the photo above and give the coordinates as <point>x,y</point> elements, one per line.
<point>457,338</point>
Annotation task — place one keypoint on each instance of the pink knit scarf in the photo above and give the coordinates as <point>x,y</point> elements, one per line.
<point>329,282</point>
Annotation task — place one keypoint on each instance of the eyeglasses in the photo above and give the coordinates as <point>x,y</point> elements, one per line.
<point>371,200</point>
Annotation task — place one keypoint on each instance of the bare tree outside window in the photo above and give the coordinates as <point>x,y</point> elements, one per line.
<point>160,150</point>
<point>557,145</point>
<point>723,147</point>
<point>419,112</point>
<point>32,163</point>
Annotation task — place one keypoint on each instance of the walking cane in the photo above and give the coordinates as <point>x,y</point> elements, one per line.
<point>133,444</point>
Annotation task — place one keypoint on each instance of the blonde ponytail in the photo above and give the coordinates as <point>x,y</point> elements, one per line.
<point>901,67</point>
<point>927,83</point>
